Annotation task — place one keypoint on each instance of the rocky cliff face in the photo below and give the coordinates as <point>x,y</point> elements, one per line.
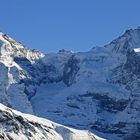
<point>98,90</point>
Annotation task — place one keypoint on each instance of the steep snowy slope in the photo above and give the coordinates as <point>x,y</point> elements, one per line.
<point>18,126</point>
<point>11,86</point>
<point>98,90</point>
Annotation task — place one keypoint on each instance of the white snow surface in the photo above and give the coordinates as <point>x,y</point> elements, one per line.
<point>39,128</point>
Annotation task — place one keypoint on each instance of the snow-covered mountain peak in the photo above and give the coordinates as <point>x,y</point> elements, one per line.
<point>12,53</point>
<point>10,49</point>
<point>128,42</point>
<point>96,90</point>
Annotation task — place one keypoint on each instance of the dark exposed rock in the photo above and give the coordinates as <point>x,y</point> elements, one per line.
<point>70,70</point>
<point>108,103</point>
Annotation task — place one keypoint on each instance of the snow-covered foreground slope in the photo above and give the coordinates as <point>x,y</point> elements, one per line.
<point>98,90</point>
<point>15,125</point>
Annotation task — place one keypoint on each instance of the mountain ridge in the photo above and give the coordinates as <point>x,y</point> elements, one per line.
<point>16,125</point>
<point>96,90</point>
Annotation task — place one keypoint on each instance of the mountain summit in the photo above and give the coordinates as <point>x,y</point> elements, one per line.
<point>129,41</point>
<point>96,90</point>
<point>9,48</point>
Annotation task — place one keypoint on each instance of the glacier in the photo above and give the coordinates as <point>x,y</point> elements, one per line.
<point>97,90</point>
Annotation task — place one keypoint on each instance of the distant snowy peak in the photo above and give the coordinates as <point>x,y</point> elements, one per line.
<point>129,41</point>
<point>10,49</point>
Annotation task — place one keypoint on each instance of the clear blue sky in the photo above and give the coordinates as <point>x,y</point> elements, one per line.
<point>78,25</point>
